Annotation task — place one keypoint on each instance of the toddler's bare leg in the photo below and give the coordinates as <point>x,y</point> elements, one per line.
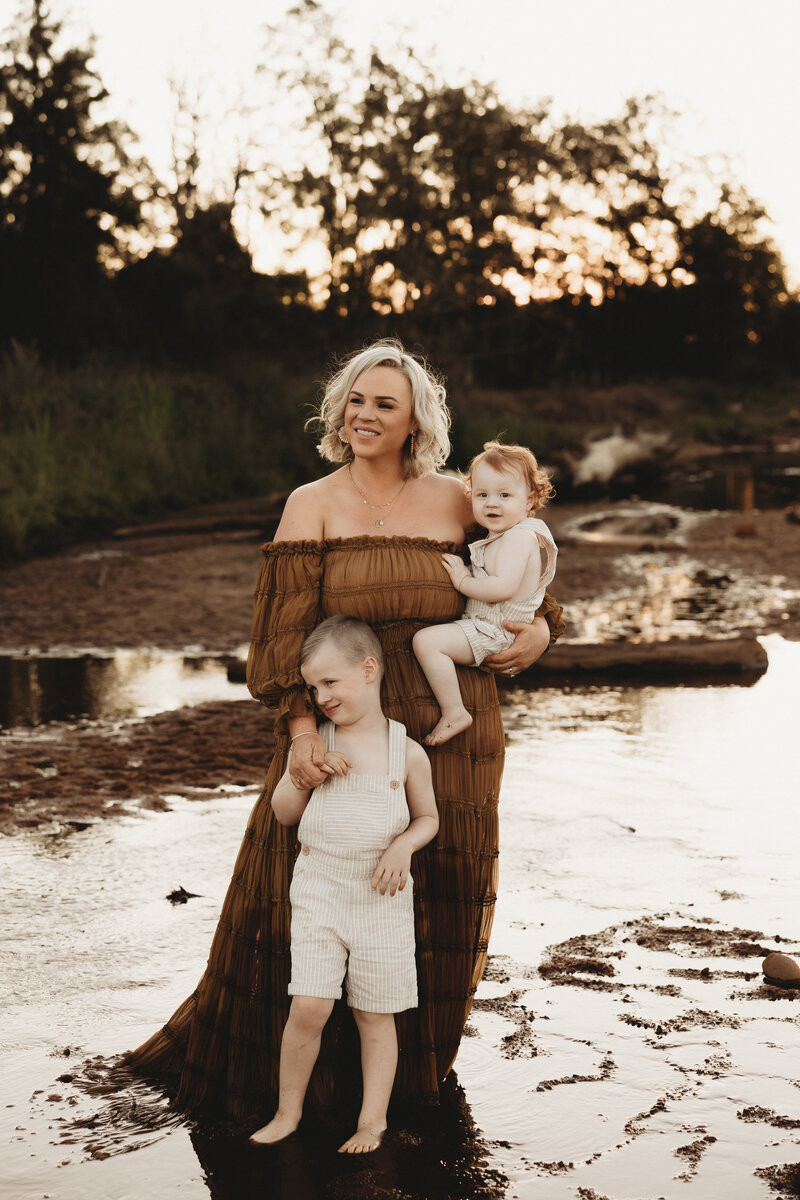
<point>378,1066</point>
<point>299,1050</point>
<point>439,648</point>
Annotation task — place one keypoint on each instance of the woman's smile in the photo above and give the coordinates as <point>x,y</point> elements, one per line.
<point>379,409</point>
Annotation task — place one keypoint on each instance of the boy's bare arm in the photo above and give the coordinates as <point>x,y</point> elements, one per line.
<point>516,551</point>
<point>289,802</point>
<point>391,873</point>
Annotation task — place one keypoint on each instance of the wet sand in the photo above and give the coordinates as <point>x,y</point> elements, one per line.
<point>189,587</point>
<point>623,1045</point>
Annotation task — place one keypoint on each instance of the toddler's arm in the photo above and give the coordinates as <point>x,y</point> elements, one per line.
<point>391,873</point>
<point>516,550</point>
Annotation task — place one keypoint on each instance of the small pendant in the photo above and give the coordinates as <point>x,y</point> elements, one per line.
<point>378,524</point>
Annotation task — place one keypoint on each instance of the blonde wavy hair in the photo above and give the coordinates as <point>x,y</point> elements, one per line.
<point>521,461</point>
<point>431,445</point>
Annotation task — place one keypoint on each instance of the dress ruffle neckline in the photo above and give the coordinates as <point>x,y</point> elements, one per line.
<point>358,542</point>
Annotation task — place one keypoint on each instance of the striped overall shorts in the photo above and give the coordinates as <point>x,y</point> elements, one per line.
<point>341,928</point>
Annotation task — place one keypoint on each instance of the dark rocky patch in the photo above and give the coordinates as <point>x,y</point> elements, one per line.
<point>767,1116</point>
<point>784,1178</point>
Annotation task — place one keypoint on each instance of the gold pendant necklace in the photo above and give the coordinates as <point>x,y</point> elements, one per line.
<point>375,507</point>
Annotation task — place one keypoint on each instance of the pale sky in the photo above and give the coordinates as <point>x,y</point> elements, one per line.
<point>731,65</point>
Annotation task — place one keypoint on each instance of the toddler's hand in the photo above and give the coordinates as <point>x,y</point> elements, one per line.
<point>456,569</point>
<point>335,763</point>
<point>391,873</point>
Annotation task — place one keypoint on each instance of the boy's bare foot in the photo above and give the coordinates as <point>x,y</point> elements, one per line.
<point>450,724</point>
<point>278,1128</point>
<point>363,1141</point>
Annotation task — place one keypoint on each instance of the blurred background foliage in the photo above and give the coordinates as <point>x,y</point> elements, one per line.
<point>545,266</point>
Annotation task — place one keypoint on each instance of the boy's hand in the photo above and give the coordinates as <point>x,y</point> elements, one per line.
<point>335,763</point>
<point>391,873</point>
<point>456,569</point>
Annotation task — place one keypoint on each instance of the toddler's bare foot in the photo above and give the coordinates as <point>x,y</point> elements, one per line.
<point>450,724</point>
<point>279,1128</point>
<point>363,1141</point>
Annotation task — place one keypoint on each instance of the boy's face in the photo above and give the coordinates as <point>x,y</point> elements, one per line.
<point>499,498</point>
<point>341,687</point>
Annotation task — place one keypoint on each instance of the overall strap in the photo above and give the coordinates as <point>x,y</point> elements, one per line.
<point>539,529</point>
<point>397,751</point>
<point>326,731</point>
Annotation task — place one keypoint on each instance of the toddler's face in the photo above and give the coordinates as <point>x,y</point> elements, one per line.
<point>499,498</point>
<point>340,686</point>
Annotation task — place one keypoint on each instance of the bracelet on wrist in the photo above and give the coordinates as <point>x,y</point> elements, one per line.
<point>303,734</point>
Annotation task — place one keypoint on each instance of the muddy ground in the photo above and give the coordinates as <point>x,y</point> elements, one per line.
<point>188,582</point>
<point>645,1057</point>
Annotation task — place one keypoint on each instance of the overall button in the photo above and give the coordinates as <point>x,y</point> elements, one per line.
<point>306,849</point>
<point>395,783</point>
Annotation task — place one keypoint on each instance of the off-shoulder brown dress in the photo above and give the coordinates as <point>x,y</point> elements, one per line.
<point>224,1040</point>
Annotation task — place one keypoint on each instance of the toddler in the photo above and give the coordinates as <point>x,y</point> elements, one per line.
<point>351,892</point>
<point>511,568</point>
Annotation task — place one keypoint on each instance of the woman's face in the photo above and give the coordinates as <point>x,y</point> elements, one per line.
<point>377,417</point>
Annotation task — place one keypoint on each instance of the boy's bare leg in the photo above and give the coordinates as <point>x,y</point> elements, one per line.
<point>378,1067</point>
<point>299,1050</point>
<point>439,648</point>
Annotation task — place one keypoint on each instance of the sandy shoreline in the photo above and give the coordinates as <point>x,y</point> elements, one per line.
<point>191,587</point>
<point>622,1043</point>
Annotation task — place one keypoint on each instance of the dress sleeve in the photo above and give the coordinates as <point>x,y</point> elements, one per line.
<point>286,608</point>
<point>553,613</point>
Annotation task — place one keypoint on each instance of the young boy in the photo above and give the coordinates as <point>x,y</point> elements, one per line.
<point>351,892</point>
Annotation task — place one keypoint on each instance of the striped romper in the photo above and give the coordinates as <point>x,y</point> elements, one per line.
<point>341,928</point>
<point>482,622</point>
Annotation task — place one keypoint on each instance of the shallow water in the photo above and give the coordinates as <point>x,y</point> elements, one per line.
<point>660,807</point>
<point>38,688</point>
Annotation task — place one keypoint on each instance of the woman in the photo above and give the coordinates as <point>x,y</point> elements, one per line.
<point>366,541</point>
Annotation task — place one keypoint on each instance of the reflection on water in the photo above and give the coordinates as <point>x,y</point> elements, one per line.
<point>679,598</point>
<point>35,689</point>
<point>617,803</point>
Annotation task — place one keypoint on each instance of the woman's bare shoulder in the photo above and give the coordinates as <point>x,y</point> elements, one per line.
<point>304,511</point>
<point>448,494</point>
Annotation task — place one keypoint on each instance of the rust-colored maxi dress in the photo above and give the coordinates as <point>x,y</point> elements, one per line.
<point>224,1040</point>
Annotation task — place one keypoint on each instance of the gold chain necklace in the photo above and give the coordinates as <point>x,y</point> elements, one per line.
<point>375,507</point>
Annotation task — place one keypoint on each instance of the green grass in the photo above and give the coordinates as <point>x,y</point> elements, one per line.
<point>85,449</point>
<point>562,417</point>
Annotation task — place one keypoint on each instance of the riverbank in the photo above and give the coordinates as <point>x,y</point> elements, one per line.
<point>188,583</point>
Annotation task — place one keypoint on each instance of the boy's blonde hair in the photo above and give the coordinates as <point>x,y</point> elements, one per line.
<point>355,639</point>
<point>521,461</point>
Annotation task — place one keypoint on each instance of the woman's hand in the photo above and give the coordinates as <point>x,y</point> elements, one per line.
<point>306,761</point>
<point>529,643</point>
<point>456,569</point>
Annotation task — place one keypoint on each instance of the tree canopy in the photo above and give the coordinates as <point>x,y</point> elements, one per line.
<point>440,212</point>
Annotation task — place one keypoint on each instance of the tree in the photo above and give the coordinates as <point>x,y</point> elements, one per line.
<point>417,187</point>
<point>69,188</point>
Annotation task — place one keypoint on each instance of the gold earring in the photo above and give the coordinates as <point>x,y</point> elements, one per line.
<point>413,440</point>
<point>342,436</point>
